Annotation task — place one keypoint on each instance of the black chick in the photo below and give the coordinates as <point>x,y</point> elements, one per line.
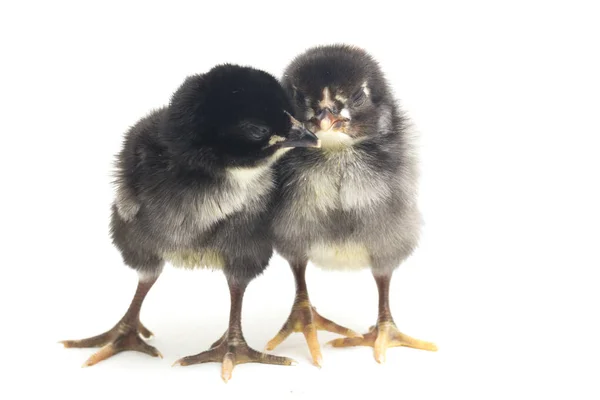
<point>194,180</point>
<point>351,203</point>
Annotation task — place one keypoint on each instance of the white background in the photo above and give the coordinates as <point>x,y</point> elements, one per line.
<point>506,96</point>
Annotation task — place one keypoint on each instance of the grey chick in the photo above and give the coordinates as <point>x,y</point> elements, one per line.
<point>350,204</point>
<point>194,180</point>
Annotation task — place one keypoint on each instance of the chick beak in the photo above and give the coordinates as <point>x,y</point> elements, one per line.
<point>300,136</point>
<point>327,120</point>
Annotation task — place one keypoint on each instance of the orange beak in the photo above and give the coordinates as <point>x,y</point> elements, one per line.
<point>328,120</point>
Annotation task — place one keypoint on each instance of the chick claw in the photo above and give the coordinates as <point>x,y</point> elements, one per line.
<point>231,353</point>
<point>115,341</point>
<point>305,318</point>
<point>381,337</point>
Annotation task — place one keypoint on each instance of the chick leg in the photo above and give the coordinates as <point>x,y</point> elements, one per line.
<point>231,349</point>
<point>125,335</point>
<point>385,334</point>
<point>305,318</point>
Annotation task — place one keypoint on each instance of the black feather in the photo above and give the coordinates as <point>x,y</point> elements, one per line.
<point>174,191</point>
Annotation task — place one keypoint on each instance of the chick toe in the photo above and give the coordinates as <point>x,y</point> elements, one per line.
<point>381,337</point>
<point>232,351</point>
<point>305,318</point>
<point>129,341</point>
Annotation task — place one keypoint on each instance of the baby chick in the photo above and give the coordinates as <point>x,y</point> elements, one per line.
<point>194,180</point>
<point>351,203</point>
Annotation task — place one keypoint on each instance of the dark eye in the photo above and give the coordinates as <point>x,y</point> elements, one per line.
<point>255,131</point>
<point>358,98</point>
<point>300,99</point>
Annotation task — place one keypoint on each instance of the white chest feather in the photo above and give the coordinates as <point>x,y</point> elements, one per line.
<point>344,180</point>
<point>244,187</point>
<point>346,255</point>
<point>195,259</point>
<point>333,139</point>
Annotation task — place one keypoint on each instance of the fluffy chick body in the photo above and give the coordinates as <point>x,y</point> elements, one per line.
<point>351,203</point>
<point>194,179</point>
<point>214,219</point>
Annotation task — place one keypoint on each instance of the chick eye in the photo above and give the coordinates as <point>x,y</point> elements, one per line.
<point>300,99</point>
<point>255,131</point>
<point>359,98</point>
